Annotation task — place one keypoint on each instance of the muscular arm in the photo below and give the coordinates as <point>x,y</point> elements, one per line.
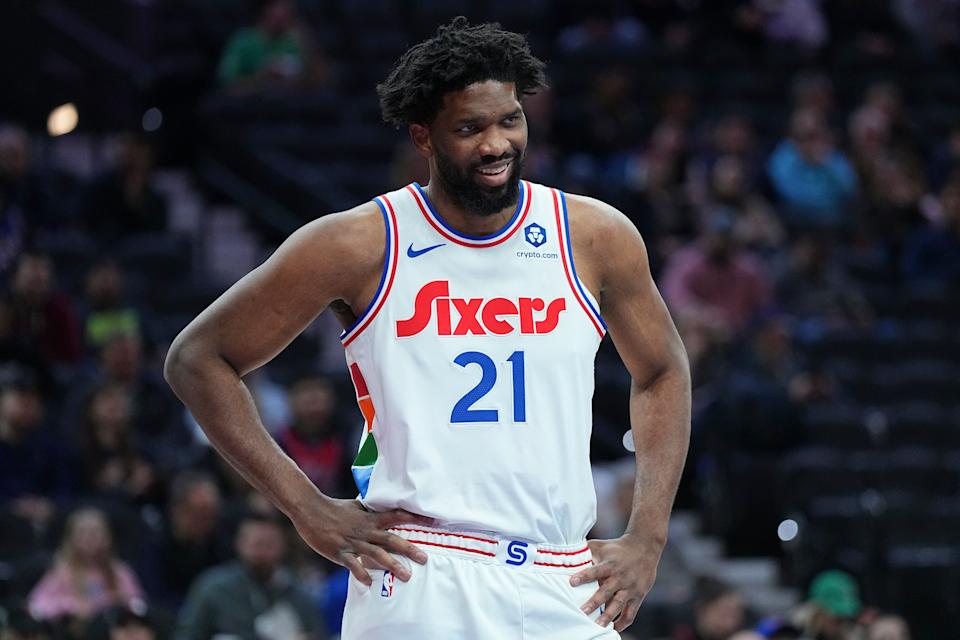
<point>246,327</point>
<point>338,257</point>
<point>613,260</point>
<point>650,347</point>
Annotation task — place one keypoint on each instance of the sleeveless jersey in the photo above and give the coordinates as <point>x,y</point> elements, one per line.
<point>474,370</point>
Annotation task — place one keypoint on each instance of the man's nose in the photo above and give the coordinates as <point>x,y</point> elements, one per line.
<point>494,144</point>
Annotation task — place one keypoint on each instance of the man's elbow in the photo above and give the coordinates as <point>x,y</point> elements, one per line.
<point>680,362</point>
<point>673,369</point>
<point>183,358</point>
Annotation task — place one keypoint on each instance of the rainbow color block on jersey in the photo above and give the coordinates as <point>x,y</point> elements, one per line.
<point>367,455</point>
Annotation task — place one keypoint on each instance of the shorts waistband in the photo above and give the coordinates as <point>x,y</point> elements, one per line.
<point>494,549</point>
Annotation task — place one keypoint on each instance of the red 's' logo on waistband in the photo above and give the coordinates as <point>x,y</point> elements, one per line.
<point>479,316</point>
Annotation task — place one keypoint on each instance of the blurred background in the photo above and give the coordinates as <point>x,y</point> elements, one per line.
<point>794,167</point>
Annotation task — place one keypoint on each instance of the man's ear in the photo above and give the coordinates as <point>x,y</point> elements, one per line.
<point>420,135</point>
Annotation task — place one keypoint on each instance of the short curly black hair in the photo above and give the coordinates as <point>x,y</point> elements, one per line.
<point>458,55</point>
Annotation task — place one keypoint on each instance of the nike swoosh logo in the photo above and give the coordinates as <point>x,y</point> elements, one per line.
<point>413,253</point>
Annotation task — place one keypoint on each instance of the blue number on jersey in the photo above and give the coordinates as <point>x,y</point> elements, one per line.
<point>462,411</point>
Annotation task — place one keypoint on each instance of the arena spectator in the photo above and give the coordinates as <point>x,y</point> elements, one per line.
<point>932,253</point>
<point>114,463</point>
<point>657,175</point>
<point>277,51</point>
<point>731,136</point>
<point>254,597</point>
<point>715,277</point>
<point>611,115</point>
<point>869,133</point>
<point>189,543</point>
<point>19,359</point>
<point>122,201</point>
<point>107,313</point>
<point>886,98</point>
<point>718,612</point>
<point>85,577</point>
<point>155,421</point>
<point>832,607</point>
<point>893,210</point>
<point>815,288</point>
<point>35,472</point>
<point>755,224</point>
<point>763,388</point>
<point>315,438</point>
<point>29,187</point>
<point>43,316</point>
<point>813,179</point>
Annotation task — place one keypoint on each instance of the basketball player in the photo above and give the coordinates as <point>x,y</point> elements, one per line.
<point>472,309</point>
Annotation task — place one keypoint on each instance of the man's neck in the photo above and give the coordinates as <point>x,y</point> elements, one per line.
<point>461,219</point>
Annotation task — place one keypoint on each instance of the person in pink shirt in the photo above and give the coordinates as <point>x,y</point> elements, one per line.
<point>85,577</point>
<point>715,280</point>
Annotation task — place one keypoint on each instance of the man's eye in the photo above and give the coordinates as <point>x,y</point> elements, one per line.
<point>511,119</point>
<point>469,128</point>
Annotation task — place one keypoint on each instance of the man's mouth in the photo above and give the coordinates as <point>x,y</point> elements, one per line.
<point>495,173</point>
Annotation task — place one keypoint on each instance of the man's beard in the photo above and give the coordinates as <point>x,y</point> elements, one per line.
<point>462,188</point>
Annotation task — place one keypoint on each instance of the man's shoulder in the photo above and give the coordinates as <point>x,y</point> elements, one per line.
<point>346,235</point>
<point>357,219</point>
<point>220,578</point>
<point>594,218</point>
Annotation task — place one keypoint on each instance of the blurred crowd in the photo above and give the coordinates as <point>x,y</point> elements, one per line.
<point>765,230</point>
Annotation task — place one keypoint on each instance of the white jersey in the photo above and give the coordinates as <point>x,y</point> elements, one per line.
<point>474,370</point>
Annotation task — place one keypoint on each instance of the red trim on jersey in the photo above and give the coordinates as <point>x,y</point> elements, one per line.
<point>450,546</point>
<point>566,263</point>
<point>555,564</point>
<point>443,533</point>
<point>393,271</point>
<point>563,553</point>
<point>479,245</point>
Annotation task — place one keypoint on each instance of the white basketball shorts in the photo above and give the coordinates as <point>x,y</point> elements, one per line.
<point>476,586</point>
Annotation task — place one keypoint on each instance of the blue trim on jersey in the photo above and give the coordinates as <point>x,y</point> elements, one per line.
<point>465,236</point>
<point>383,276</point>
<point>573,267</point>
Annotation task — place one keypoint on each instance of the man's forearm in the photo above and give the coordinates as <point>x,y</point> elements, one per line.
<point>223,406</point>
<point>660,421</point>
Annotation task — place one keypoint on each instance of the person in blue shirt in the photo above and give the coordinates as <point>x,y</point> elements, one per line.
<point>814,180</point>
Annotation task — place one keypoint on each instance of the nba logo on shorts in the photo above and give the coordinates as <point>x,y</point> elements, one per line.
<point>386,589</point>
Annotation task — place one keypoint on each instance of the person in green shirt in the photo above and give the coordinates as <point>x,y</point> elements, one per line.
<point>255,598</point>
<point>277,51</point>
